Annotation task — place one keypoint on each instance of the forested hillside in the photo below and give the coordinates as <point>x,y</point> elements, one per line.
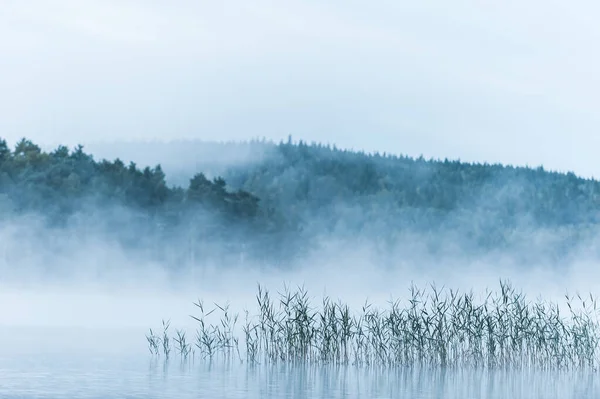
<point>132,205</point>
<point>282,200</point>
<point>477,207</point>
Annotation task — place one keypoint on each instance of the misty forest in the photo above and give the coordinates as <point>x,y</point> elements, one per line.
<point>281,206</point>
<point>293,200</point>
<point>299,199</point>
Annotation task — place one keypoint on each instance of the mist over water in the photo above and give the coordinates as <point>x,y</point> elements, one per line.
<point>111,251</point>
<point>79,303</point>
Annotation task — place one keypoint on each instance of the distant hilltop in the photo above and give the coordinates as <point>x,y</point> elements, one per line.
<point>298,193</point>
<point>321,174</point>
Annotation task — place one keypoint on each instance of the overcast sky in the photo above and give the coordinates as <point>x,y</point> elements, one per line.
<point>500,81</point>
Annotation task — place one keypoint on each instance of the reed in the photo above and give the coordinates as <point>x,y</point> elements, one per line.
<point>434,327</point>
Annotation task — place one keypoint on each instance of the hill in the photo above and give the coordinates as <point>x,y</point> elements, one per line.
<point>284,199</point>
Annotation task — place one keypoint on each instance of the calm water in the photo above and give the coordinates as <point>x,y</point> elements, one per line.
<point>72,363</point>
<point>120,377</point>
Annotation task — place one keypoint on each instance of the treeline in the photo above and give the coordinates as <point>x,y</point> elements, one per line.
<point>132,204</point>
<point>59,181</point>
<point>289,198</point>
<point>318,176</point>
<point>386,198</point>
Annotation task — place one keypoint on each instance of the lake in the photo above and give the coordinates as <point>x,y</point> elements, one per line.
<point>100,363</point>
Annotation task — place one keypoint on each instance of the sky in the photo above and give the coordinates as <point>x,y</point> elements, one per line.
<point>513,82</point>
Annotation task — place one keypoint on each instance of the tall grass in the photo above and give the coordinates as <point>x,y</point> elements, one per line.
<point>434,327</point>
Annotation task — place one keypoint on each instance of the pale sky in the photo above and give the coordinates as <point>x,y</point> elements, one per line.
<point>499,81</point>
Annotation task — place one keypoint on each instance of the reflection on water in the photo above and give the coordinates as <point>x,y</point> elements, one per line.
<point>92,363</point>
<point>139,377</point>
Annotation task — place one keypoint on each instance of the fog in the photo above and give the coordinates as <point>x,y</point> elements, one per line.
<point>181,159</point>
<point>182,200</point>
<point>112,313</point>
<point>69,290</point>
<point>79,287</point>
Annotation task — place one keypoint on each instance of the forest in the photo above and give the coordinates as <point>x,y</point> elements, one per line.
<point>293,197</point>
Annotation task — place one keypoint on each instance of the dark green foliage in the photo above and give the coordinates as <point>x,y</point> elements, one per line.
<point>480,206</point>
<point>38,181</point>
<point>63,184</point>
<point>318,176</point>
<point>283,201</point>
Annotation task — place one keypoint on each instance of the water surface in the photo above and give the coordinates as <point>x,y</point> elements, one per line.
<point>92,363</point>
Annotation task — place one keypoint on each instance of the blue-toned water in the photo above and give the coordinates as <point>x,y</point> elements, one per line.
<point>114,377</point>
<point>67,363</point>
<point>85,344</point>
